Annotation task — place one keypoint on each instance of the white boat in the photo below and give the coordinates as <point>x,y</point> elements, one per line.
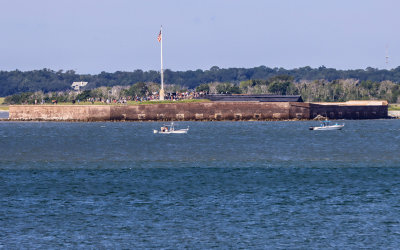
<point>170,129</point>
<point>326,125</point>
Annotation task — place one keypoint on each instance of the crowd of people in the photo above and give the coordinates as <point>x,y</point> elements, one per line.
<point>150,97</point>
<point>123,100</point>
<point>171,96</point>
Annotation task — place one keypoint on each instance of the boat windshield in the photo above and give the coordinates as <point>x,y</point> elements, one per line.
<point>326,123</point>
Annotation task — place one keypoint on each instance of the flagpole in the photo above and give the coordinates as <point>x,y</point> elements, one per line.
<point>162,73</point>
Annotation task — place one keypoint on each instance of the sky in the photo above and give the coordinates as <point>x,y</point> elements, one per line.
<point>91,36</point>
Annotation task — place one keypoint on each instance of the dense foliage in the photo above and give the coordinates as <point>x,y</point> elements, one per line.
<point>312,91</point>
<point>327,91</point>
<point>12,82</point>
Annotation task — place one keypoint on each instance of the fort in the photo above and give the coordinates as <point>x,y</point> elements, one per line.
<point>201,111</point>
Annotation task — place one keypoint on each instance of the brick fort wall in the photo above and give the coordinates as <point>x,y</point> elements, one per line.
<point>207,111</point>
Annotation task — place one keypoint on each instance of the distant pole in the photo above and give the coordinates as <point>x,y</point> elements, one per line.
<point>387,57</point>
<point>162,73</point>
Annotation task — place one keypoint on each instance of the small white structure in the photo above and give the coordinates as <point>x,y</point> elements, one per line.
<point>78,85</point>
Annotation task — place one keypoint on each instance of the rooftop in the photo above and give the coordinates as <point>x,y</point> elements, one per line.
<point>257,98</point>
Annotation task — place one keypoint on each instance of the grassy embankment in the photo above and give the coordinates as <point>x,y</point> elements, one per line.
<point>394,107</point>
<point>3,106</point>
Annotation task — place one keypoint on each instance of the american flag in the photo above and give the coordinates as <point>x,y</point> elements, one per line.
<point>159,37</point>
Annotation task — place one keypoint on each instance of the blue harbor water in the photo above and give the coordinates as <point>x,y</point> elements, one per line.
<point>246,185</point>
<point>4,114</point>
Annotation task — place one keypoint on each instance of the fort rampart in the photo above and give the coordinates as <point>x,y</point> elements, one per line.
<point>203,111</point>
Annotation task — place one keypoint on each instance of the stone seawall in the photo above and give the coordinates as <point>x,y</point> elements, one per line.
<point>351,112</point>
<point>205,111</point>
<point>59,112</point>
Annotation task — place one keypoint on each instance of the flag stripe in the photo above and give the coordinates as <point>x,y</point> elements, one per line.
<point>159,37</point>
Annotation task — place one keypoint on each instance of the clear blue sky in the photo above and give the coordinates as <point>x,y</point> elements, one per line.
<point>91,36</point>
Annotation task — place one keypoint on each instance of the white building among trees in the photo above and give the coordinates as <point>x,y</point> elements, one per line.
<point>78,85</point>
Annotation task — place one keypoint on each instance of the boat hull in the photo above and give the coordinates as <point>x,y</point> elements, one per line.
<point>179,131</point>
<point>333,127</point>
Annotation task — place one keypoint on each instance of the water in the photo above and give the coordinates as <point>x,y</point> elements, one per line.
<point>225,185</point>
<point>4,114</point>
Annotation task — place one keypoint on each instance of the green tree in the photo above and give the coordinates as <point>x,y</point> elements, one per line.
<point>138,89</point>
<point>227,88</point>
<point>19,98</point>
<point>83,95</point>
<point>280,84</point>
<point>203,88</point>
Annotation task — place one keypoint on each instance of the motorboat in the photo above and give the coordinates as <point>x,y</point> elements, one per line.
<point>326,125</point>
<point>170,129</point>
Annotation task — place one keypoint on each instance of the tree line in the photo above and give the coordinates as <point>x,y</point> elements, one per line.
<point>311,90</point>
<point>46,80</point>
